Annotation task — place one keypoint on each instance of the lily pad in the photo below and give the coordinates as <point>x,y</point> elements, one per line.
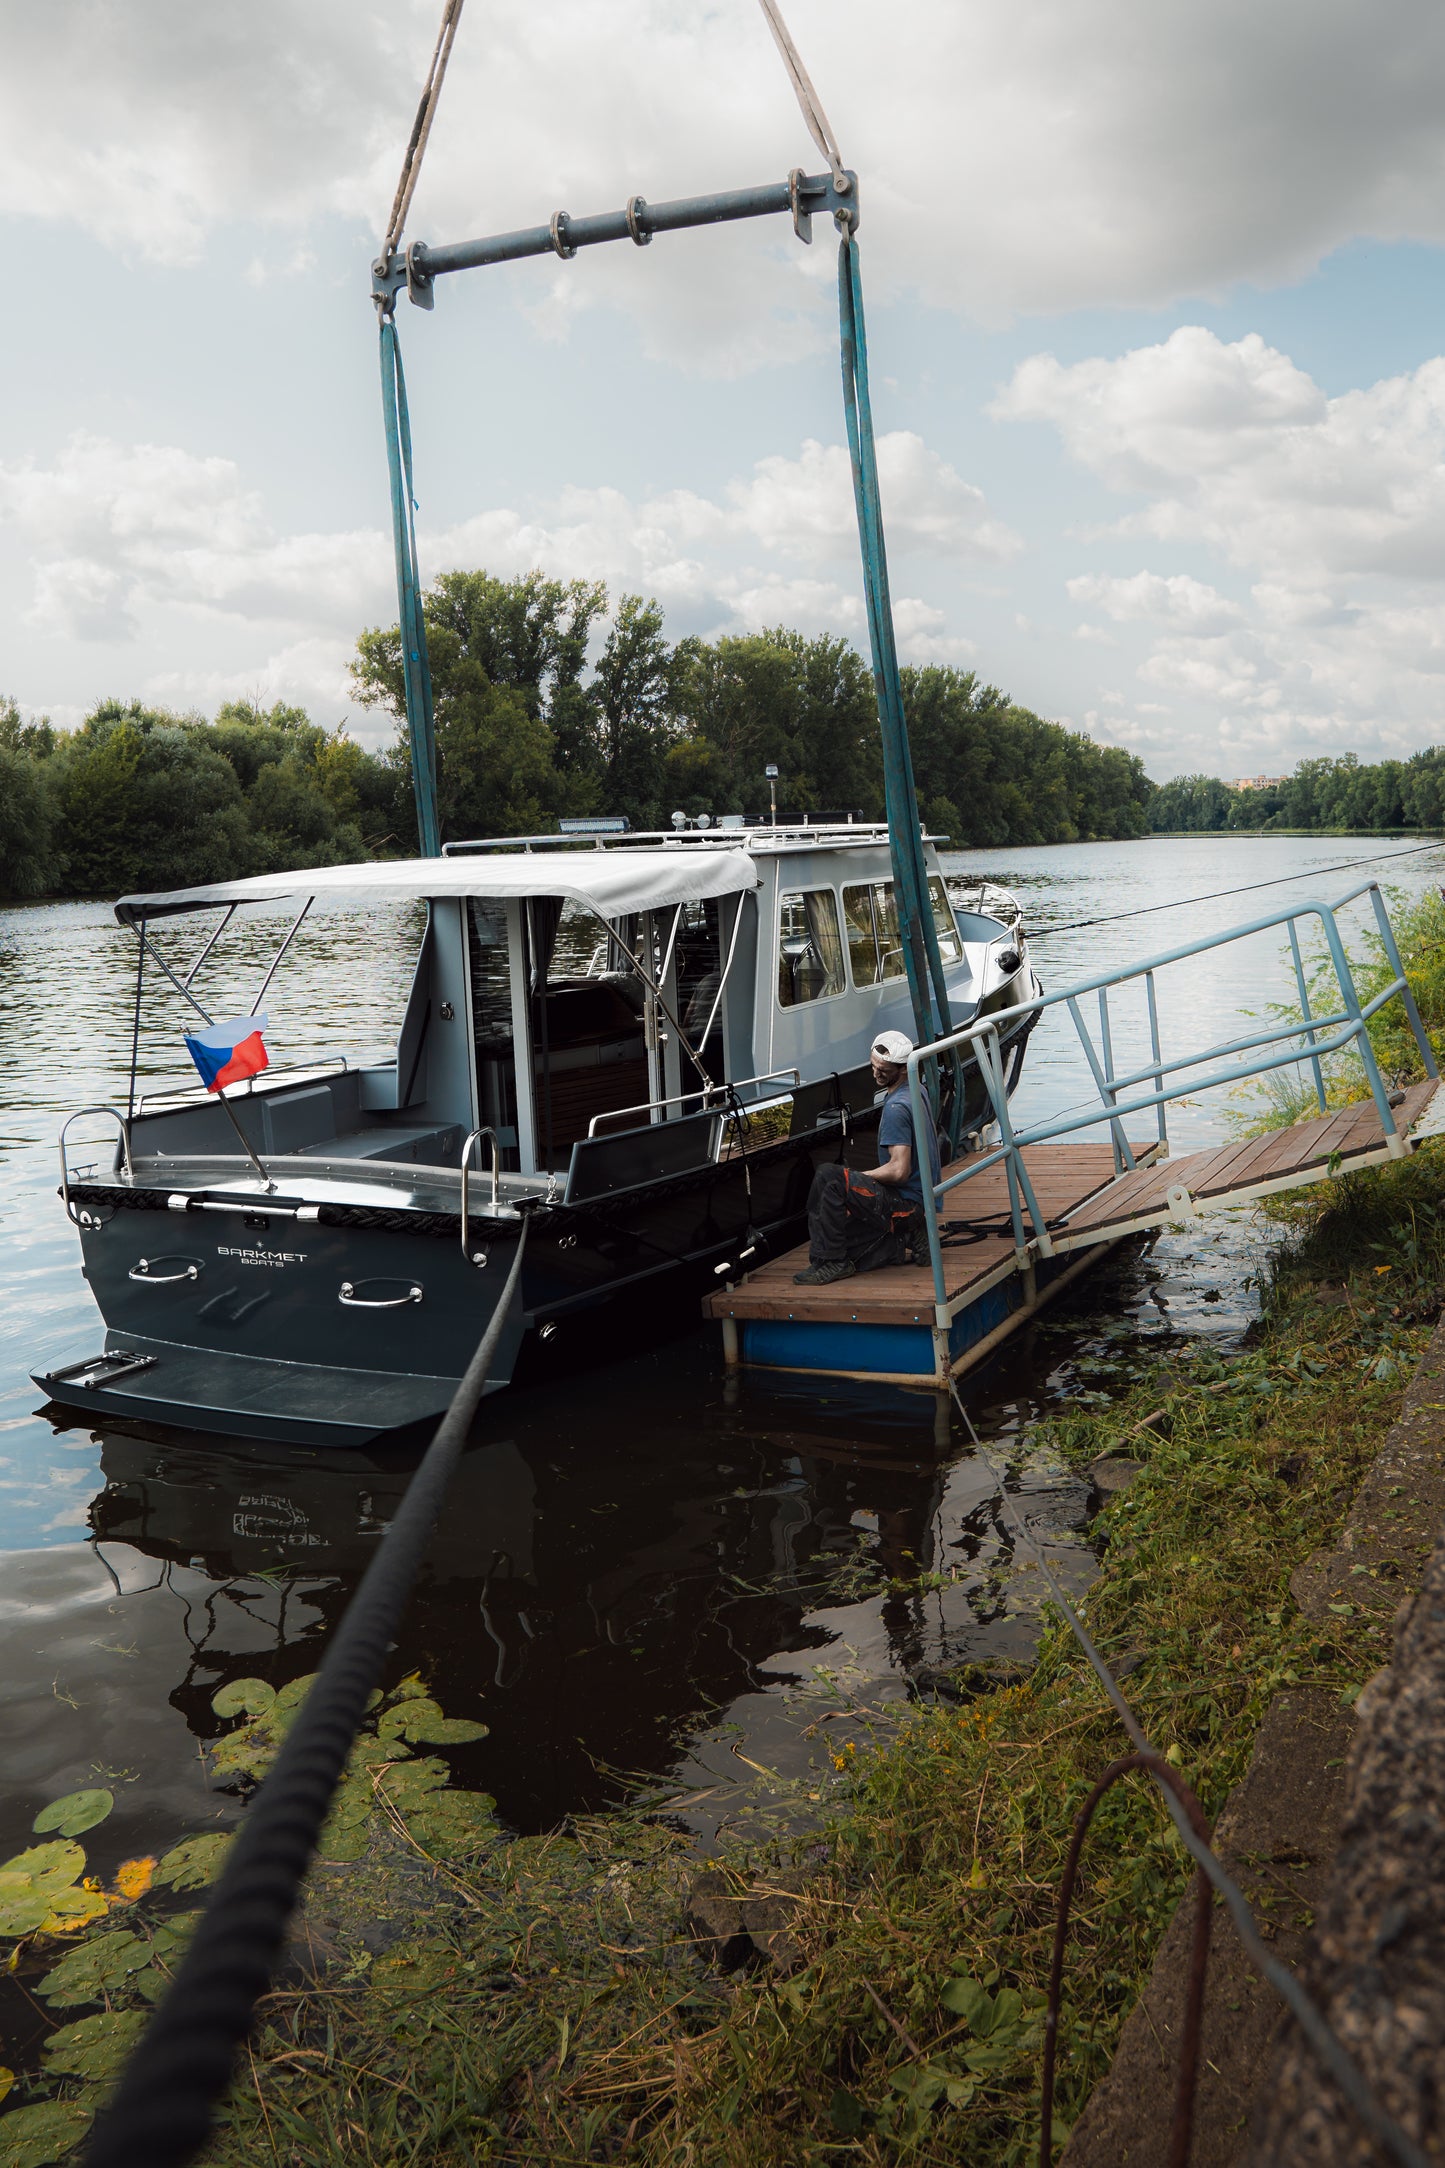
<point>22,1912</point>
<point>75,1813</point>
<point>95,2047</point>
<point>243,1697</point>
<point>104,1965</point>
<point>7,2081</point>
<point>71,1909</point>
<point>44,1866</point>
<point>193,1862</point>
<point>49,2131</point>
<point>31,1882</point>
<point>421,1720</point>
<point>342,1841</point>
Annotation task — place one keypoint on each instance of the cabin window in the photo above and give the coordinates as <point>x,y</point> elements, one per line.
<point>874,945</point>
<point>810,947</point>
<point>862,941</point>
<point>950,942</point>
<point>491,977</point>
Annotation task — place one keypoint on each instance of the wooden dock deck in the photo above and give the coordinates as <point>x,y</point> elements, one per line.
<point>884,1325</point>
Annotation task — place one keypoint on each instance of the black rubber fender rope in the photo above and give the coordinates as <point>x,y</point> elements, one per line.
<point>161,2114</point>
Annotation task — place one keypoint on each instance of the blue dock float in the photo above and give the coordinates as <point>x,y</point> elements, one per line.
<point>888,1326</point>
<point>884,1325</point>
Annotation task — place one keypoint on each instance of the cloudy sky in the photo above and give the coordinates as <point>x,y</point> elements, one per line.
<point>1156,315</point>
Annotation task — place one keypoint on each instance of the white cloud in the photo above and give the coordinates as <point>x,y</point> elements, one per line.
<point>124,537</point>
<point>1111,154</point>
<point>1235,446</point>
<point>1148,596</point>
<point>806,504</point>
<point>1333,509</point>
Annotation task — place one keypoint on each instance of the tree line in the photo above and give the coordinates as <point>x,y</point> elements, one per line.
<point>549,703</point>
<point>1329,795</point>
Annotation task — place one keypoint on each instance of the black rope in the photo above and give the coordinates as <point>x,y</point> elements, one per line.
<point>161,2114</point>
<point>1180,903</point>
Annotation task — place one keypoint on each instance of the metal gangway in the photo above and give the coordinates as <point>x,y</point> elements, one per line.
<point>1149,1188</point>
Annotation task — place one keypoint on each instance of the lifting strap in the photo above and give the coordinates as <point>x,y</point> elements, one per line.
<point>921,957</point>
<point>416,669</point>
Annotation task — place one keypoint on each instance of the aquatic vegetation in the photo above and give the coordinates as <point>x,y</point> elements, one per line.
<point>387,1793</point>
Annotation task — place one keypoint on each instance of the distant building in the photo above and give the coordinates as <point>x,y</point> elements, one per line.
<point>1258,782</point>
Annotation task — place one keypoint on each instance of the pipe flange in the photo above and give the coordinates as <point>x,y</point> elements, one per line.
<point>636,205</point>
<point>558,230</point>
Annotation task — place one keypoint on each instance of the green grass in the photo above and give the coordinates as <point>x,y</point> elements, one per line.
<point>544,2003</point>
<point>559,2014</point>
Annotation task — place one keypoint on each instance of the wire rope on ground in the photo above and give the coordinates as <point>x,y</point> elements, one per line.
<point>1327,2047</point>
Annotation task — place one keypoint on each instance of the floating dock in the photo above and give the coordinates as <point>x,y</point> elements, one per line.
<point>882,1324</point>
<point>1011,1224</point>
<point>886,1326</point>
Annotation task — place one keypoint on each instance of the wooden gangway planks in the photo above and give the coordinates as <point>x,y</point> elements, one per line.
<point>1174,1189</point>
<point>1063,1175</point>
<point>887,1325</point>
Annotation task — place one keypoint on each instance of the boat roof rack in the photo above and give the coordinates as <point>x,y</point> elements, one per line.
<point>762,837</point>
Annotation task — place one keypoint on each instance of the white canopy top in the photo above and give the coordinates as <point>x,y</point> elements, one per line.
<point>612,883</point>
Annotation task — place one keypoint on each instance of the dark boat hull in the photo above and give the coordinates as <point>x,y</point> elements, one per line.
<point>344,1323</point>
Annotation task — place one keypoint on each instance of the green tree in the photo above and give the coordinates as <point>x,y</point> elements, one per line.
<point>1191,805</point>
<point>506,658</point>
<point>806,704</point>
<point>635,689</point>
<point>29,864</point>
<point>147,802</point>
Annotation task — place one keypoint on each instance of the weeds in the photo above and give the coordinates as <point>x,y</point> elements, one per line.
<point>565,2017</point>
<point>541,2000</point>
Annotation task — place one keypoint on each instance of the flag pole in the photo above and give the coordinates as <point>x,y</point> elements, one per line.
<point>246,1146</point>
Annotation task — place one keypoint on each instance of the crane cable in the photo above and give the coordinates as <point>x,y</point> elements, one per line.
<point>421,127</point>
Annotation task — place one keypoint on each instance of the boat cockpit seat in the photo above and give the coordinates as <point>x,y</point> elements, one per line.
<point>422,1144</point>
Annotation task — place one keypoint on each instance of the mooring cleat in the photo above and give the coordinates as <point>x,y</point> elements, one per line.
<point>840,1268</point>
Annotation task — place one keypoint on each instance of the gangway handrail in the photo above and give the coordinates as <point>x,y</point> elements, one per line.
<point>1119,1095</point>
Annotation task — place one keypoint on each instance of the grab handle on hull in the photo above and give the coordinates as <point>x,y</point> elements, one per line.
<point>141,1270</point>
<point>78,1216</point>
<point>497,1209</point>
<point>350,1300</point>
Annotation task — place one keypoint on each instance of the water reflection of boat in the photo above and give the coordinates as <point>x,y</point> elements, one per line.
<point>656,1044</point>
<point>592,1606</point>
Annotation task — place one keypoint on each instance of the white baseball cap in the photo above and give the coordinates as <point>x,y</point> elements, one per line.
<point>893,1046</point>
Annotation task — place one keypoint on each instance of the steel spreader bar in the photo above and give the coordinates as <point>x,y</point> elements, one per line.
<point>805,195</point>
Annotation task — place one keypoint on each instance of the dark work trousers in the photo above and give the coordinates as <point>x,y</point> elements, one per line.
<point>852,1216</point>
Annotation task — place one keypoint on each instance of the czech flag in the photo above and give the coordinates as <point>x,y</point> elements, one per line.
<point>228,1053</point>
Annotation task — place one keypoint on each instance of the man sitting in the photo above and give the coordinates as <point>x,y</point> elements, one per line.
<point>857,1222</point>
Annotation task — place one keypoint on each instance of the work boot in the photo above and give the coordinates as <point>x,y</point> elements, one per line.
<point>838,1268</point>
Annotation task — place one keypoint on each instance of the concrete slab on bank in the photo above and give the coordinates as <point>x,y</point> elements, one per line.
<point>1313,1830</point>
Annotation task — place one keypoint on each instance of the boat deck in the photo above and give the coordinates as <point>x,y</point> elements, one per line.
<point>1064,1177</point>
<point>885,1325</point>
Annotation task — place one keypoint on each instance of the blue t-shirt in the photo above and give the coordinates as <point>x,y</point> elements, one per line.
<point>895,1126</point>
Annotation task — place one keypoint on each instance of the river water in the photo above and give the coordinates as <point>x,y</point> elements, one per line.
<point>652,1580</point>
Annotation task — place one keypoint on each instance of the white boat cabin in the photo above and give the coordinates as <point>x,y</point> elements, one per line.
<point>567,992</point>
